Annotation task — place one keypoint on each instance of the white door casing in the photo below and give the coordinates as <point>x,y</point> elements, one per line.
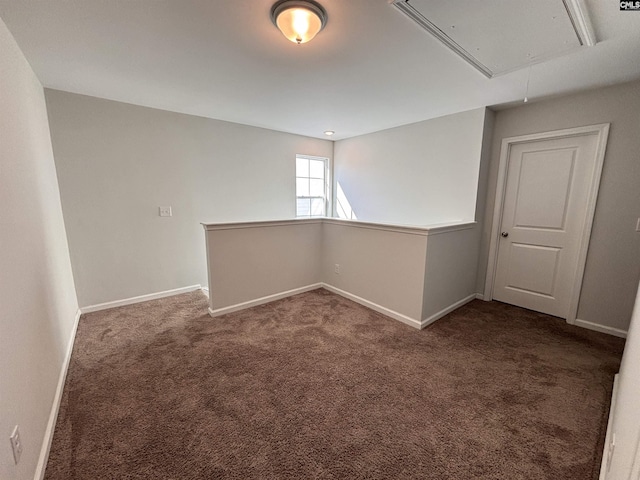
<point>543,217</point>
<point>545,201</point>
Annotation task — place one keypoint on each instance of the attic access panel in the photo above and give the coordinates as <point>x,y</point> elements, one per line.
<point>500,36</point>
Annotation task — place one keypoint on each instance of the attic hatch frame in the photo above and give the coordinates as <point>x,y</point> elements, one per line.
<point>576,10</point>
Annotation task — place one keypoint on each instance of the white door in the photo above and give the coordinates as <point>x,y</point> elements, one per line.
<point>545,207</point>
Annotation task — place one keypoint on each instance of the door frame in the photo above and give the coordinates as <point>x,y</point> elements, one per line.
<point>602,132</point>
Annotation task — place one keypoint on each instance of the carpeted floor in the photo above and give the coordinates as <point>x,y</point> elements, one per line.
<point>317,387</point>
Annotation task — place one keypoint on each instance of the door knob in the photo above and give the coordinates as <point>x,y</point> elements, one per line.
<point>505,234</point>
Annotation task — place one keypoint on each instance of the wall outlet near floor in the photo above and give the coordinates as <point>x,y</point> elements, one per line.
<point>336,269</point>
<point>165,211</point>
<point>16,444</point>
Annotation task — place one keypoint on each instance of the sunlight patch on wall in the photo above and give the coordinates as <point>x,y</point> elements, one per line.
<point>343,207</point>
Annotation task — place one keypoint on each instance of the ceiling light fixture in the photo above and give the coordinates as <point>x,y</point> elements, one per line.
<point>298,20</point>
<point>329,132</point>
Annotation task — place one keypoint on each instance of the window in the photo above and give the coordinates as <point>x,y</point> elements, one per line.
<point>312,186</point>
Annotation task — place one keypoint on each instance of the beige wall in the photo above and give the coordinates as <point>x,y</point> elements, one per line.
<point>625,462</point>
<point>450,273</point>
<point>381,266</point>
<point>484,227</point>
<point>37,294</point>
<point>409,273</point>
<point>419,174</point>
<point>248,263</point>
<point>117,163</point>
<point>613,261</point>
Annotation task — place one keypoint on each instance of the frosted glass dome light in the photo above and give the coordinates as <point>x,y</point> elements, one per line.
<point>298,20</point>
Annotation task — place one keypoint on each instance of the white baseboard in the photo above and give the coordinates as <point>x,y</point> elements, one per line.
<point>374,306</point>
<point>616,332</point>
<point>141,298</point>
<point>445,311</point>
<point>262,300</point>
<point>480,296</point>
<point>205,290</point>
<point>362,301</point>
<point>607,439</point>
<point>55,407</point>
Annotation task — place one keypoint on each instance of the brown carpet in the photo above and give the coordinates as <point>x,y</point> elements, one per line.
<point>318,387</point>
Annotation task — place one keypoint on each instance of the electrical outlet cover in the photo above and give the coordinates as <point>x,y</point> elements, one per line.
<point>16,444</point>
<point>165,211</point>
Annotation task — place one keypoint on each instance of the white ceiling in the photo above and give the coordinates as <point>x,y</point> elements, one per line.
<point>536,30</point>
<point>371,68</point>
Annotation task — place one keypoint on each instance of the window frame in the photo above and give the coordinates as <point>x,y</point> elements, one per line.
<point>328,203</point>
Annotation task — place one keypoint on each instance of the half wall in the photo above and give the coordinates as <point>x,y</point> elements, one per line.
<point>382,266</point>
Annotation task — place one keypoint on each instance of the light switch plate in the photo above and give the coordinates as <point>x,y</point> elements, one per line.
<point>638,226</point>
<point>165,211</point>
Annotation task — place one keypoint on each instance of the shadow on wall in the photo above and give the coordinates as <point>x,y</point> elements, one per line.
<point>343,207</point>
